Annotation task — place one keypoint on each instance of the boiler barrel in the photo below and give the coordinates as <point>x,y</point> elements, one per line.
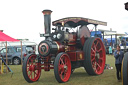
<point>46,48</point>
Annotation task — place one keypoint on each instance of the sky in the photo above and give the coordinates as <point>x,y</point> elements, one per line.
<point>22,19</point>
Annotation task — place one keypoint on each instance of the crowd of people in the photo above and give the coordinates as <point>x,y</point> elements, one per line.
<point>118,55</point>
<point>110,47</point>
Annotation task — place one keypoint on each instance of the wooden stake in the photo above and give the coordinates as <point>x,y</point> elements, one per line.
<point>21,53</point>
<point>6,58</point>
<point>0,64</point>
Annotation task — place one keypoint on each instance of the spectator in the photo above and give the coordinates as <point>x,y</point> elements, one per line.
<point>106,42</point>
<point>126,41</point>
<point>106,45</point>
<point>118,42</point>
<point>123,42</point>
<point>118,54</point>
<point>110,49</point>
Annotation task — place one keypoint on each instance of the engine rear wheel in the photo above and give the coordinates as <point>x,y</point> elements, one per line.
<point>95,56</point>
<point>125,69</point>
<point>62,67</point>
<point>31,68</point>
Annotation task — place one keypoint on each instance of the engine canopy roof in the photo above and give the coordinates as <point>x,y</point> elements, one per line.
<point>76,21</point>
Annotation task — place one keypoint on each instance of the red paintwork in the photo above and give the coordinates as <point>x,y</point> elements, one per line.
<point>98,49</point>
<point>60,47</point>
<point>72,39</point>
<point>70,48</point>
<point>64,68</point>
<point>51,66</point>
<point>83,34</point>
<point>72,56</point>
<point>47,63</point>
<point>33,68</point>
<point>76,55</point>
<point>47,12</point>
<point>80,55</point>
<point>46,47</point>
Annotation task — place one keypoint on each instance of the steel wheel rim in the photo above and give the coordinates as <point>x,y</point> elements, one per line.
<point>64,68</point>
<point>16,61</point>
<point>98,56</point>
<point>33,70</point>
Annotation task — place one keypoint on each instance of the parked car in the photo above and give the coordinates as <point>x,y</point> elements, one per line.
<point>14,53</point>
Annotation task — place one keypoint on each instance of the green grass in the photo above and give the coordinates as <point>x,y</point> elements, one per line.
<point>79,77</point>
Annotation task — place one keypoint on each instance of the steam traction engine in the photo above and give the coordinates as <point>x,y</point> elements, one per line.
<point>68,47</point>
<point>125,69</point>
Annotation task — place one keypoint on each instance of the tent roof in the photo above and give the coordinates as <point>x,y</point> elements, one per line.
<point>4,37</point>
<point>117,34</point>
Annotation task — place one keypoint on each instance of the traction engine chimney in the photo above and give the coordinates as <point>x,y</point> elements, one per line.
<point>47,22</point>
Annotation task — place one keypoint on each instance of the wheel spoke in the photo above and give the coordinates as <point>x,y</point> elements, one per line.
<point>95,47</point>
<point>92,54</point>
<point>66,62</point>
<point>98,65</point>
<point>101,59</point>
<point>35,73</point>
<point>61,67</point>
<point>93,59</point>
<point>28,65</point>
<point>94,66</point>
<point>61,61</point>
<point>96,43</point>
<point>93,50</point>
<point>32,67</point>
<point>37,66</point>
<point>65,73</point>
<point>95,56</point>
<point>99,50</point>
<point>96,70</point>
<point>31,61</point>
<point>30,75</point>
<point>61,74</point>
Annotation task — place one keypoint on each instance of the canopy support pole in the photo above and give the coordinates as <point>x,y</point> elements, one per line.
<point>21,54</point>
<point>6,57</point>
<point>111,40</point>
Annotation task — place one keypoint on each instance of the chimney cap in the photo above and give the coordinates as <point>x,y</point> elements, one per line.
<point>126,6</point>
<point>125,3</point>
<point>46,12</point>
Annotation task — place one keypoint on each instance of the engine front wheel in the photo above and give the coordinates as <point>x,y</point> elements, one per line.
<point>62,67</point>
<point>31,68</point>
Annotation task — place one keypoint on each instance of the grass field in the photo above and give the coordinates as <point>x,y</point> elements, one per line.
<point>79,77</point>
